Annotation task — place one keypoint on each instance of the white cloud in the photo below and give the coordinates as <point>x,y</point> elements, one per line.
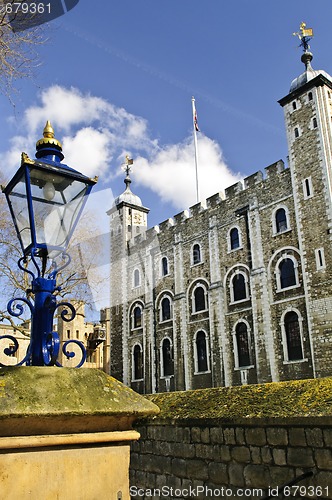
<point>96,135</point>
<point>171,172</point>
<point>88,151</point>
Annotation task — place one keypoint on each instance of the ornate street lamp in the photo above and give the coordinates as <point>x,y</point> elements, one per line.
<point>45,198</point>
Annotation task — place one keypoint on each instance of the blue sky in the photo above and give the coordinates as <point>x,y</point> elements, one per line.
<point>118,78</point>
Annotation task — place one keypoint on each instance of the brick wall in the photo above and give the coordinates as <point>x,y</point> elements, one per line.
<point>238,460</point>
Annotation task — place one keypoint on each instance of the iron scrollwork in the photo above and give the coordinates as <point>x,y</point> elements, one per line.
<point>44,345</point>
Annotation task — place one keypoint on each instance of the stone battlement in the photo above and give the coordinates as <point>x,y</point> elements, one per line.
<point>231,195</point>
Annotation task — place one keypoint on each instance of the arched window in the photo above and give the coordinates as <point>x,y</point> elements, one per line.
<point>287,273</point>
<point>314,122</point>
<point>201,361</point>
<point>242,344</point>
<point>234,238</point>
<point>238,287</point>
<point>137,278</point>
<point>167,368</point>
<point>164,266</point>
<point>199,299</point>
<point>137,362</point>
<point>196,255</point>
<point>296,133</point>
<point>137,317</point>
<point>165,309</point>
<point>310,96</point>
<point>281,220</point>
<point>293,336</point>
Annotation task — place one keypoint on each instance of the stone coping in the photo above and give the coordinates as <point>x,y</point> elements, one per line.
<point>51,400</point>
<point>275,403</point>
<point>22,442</point>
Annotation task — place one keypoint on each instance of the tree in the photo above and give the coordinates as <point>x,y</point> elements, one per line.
<point>18,56</point>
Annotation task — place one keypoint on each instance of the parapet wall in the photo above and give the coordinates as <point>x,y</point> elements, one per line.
<point>231,195</point>
<point>240,442</point>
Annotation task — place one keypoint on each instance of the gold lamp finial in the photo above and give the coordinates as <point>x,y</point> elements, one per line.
<point>48,130</point>
<point>48,137</point>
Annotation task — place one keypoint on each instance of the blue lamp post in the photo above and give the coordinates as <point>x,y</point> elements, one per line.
<point>45,198</point>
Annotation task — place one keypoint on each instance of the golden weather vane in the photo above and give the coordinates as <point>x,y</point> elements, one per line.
<point>305,35</point>
<point>128,163</point>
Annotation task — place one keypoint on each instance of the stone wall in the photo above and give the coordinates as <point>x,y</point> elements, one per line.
<point>242,446</point>
<point>236,459</point>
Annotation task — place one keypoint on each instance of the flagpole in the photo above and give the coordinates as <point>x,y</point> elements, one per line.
<point>195,126</point>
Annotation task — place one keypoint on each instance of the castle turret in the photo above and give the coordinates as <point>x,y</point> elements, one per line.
<point>128,218</point>
<point>308,114</point>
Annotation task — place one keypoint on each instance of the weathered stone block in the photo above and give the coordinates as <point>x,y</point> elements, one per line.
<point>229,435</point>
<point>197,469</point>
<point>218,473</point>
<point>257,476</point>
<point>300,457</point>
<point>256,436</point>
<point>206,451</point>
<point>205,435</point>
<point>327,433</point>
<point>216,435</point>
<point>255,453</point>
<point>196,434</point>
<point>179,467</point>
<point>225,454</point>
<point>314,437</point>
<point>323,458</point>
<point>266,453</point>
<point>236,474</point>
<point>239,435</point>
<point>297,437</point>
<point>277,436</point>
<point>240,454</point>
<point>279,456</point>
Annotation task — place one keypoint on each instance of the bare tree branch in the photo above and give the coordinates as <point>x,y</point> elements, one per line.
<point>18,49</point>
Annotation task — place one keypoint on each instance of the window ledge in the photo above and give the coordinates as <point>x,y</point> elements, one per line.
<point>137,380</point>
<point>282,232</point>
<point>235,302</point>
<point>304,360</point>
<point>199,312</point>
<point>165,321</point>
<point>278,290</point>
<point>163,377</point>
<point>239,368</point>
<point>231,250</point>
<point>196,264</point>
<point>202,373</point>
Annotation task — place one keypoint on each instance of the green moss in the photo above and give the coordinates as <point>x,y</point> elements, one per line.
<point>32,390</point>
<point>301,398</point>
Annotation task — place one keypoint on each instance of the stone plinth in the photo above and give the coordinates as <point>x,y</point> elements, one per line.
<point>65,433</point>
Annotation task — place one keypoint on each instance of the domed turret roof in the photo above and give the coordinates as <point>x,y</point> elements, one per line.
<point>128,197</point>
<point>308,74</point>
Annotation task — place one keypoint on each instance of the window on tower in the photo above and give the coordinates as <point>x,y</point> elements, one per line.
<point>293,336</point>
<point>287,273</point>
<point>281,220</point>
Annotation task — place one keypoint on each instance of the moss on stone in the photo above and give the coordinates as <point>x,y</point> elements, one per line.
<point>301,398</point>
<point>28,391</point>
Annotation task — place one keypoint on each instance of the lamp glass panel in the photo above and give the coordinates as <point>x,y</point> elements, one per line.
<point>18,202</point>
<point>56,201</point>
